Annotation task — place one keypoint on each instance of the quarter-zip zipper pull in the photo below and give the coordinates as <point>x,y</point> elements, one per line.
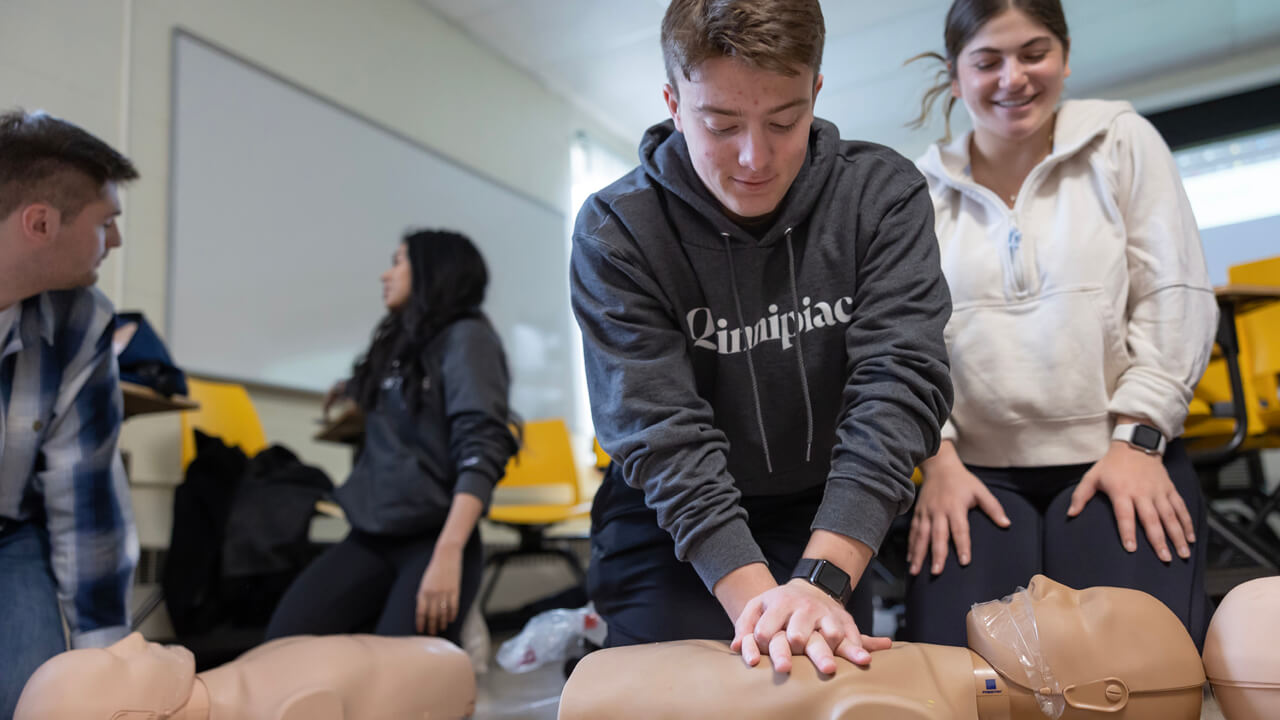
<point>1015,263</point>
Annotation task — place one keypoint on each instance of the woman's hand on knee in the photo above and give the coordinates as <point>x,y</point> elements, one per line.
<point>1140,491</point>
<point>438,592</point>
<point>941,515</point>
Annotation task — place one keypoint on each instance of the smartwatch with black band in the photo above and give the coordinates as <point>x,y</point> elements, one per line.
<point>826,576</point>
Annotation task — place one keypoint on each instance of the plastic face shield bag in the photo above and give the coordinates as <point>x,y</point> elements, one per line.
<point>1011,622</point>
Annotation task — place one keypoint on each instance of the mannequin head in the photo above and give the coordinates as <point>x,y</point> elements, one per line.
<point>1241,655</point>
<point>1102,648</point>
<point>133,676</point>
<point>293,678</point>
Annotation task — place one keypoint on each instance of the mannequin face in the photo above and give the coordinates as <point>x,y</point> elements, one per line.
<point>1087,636</point>
<point>143,664</point>
<point>131,675</point>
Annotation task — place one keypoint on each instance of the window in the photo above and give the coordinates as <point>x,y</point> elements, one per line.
<point>592,167</point>
<point>1234,188</point>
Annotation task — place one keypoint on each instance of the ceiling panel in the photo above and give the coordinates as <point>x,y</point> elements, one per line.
<point>849,17</point>
<point>463,11</point>
<point>1257,21</point>
<point>604,55</point>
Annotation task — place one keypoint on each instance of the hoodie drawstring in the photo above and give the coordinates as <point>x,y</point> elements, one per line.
<point>804,377</point>
<point>751,366</point>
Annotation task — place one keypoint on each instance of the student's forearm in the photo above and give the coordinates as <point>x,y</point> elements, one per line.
<point>464,513</point>
<point>851,556</point>
<point>945,456</point>
<point>741,586</point>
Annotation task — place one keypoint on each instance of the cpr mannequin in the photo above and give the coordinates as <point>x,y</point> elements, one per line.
<point>1047,651</point>
<point>1242,651</point>
<point>336,677</point>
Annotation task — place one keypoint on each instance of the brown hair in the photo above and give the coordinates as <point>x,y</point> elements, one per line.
<point>964,20</point>
<point>775,35</point>
<point>44,159</point>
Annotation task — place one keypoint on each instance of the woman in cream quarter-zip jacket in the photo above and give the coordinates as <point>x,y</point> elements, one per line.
<point>1082,318</point>
<point>1087,299</point>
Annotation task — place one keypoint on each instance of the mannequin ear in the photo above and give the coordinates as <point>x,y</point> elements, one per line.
<point>312,705</point>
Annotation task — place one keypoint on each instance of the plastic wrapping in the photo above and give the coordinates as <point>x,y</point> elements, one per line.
<point>1011,621</point>
<point>549,636</point>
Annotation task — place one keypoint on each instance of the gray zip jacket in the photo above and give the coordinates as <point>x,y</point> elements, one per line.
<point>458,441</point>
<point>721,364</point>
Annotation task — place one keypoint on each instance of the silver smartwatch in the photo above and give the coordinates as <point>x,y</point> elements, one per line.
<point>1144,437</point>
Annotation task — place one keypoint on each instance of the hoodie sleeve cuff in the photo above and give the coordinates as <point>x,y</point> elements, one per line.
<point>724,550</point>
<point>848,509</point>
<point>1145,395</point>
<point>474,483</point>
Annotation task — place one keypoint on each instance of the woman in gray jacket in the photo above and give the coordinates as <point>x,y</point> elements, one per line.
<point>433,387</point>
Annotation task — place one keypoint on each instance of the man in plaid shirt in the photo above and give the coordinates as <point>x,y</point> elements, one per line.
<point>67,540</point>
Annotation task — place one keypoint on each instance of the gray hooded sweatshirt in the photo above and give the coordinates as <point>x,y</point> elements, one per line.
<point>720,363</point>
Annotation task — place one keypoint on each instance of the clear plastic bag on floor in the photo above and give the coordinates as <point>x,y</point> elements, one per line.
<point>550,636</point>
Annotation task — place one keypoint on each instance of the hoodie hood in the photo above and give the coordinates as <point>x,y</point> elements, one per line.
<point>1077,125</point>
<point>664,157</point>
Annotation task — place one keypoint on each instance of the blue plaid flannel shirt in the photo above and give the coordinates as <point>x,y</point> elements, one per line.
<point>60,413</point>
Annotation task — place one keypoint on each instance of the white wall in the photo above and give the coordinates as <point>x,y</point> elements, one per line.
<point>105,65</point>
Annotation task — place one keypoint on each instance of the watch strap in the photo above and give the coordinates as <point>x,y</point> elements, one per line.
<point>826,576</point>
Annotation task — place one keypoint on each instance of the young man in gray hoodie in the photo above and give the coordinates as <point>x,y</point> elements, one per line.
<point>762,313</point>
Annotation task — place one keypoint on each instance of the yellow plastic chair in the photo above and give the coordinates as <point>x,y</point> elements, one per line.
<point>1260,326</point>
<point>1216,425</point>
<point>602,457</point>
<point>544,468</point>
<point>1235,413</point>
<point>226,412</point>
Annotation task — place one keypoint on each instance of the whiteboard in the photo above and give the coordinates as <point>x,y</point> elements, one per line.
<point>284,211</point>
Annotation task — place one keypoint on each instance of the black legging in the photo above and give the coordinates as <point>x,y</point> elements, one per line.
<point>370,583</point>
<point>1079,552</point>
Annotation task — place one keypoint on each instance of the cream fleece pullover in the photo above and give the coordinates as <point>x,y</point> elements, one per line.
<point>1086,300</point>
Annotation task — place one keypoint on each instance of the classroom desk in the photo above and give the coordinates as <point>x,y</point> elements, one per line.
<point>1233,301</point>
<point>346,428</point>
<point>142,400</point>
<point>1242,298</point>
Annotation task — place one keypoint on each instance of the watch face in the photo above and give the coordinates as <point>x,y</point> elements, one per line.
<point>832,578</point>
<point>1147,437</point>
